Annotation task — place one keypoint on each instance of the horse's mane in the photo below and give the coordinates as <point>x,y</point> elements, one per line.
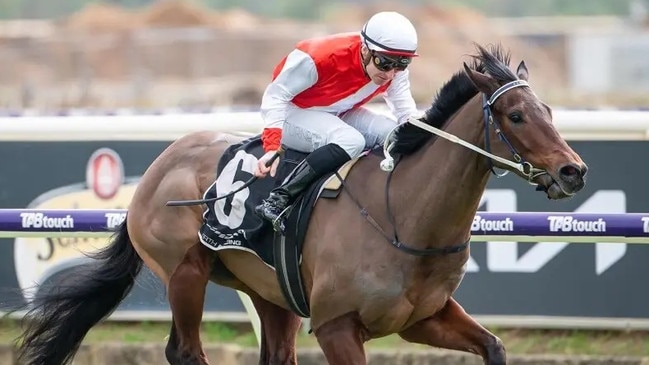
<point>452,96</point>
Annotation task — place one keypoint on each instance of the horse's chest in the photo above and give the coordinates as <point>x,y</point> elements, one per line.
<point>429,298</point>
<point>401,303</point>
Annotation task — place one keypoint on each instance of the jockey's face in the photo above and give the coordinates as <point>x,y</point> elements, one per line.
<point>381,68</point>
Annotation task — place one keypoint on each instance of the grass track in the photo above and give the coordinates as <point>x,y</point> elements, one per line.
<point>516,341</point>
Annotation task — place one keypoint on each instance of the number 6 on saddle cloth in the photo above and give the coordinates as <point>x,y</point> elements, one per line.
<point>231,223</point>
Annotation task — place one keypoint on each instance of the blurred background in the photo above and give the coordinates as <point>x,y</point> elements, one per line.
<point>147,54</point>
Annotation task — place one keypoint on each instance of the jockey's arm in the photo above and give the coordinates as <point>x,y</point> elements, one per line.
<point>399,97</point>
<point>298,74</point>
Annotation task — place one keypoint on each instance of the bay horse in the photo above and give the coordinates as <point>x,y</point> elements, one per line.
<point>362,280</point>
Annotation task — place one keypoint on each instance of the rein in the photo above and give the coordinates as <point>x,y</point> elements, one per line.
<point>388,165</point>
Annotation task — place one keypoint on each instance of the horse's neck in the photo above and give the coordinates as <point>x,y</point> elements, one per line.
<point>442,184</point>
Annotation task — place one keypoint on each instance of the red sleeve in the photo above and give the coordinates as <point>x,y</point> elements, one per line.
<point>271,138</point>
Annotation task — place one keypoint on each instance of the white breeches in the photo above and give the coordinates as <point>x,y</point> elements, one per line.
<point>355,131</point>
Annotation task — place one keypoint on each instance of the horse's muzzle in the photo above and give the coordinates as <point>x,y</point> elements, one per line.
<point>570,178</point>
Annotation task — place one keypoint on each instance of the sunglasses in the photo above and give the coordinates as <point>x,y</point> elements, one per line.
<point>385,63</point>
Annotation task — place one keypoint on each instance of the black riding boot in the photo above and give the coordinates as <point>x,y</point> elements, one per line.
<point>318,163</point>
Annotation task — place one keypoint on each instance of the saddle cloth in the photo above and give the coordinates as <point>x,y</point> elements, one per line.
<point>231,223</point>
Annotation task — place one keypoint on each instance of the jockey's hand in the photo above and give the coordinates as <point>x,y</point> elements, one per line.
<point>262,169</point>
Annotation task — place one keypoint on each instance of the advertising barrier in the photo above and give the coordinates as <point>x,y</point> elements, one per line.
<point>522,226</point>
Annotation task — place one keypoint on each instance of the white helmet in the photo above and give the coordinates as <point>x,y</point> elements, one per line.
<point>392,33</point>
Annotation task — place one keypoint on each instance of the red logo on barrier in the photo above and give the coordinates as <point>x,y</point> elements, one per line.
<point>105,173</point>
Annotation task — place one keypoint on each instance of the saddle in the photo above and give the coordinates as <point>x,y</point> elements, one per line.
<point>287,245</point>
<point>232,224</point>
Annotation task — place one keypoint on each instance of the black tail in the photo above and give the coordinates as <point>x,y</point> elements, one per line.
<point>59,318</point>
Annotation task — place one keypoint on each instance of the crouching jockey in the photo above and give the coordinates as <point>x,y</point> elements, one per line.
<point>314,102</point>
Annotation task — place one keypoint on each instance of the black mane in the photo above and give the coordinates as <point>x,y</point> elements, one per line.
<point>452,96</point>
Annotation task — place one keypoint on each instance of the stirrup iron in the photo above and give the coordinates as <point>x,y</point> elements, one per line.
<point>278,223</point>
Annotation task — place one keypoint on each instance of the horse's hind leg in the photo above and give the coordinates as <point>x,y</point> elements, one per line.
<point>279,329</point>
<point>187,287</point>
<point>452,328</point>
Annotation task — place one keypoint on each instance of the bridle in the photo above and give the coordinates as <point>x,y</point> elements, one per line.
<point>519,163</point>
<point>524,167</point>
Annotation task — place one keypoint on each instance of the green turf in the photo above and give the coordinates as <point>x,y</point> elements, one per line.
<point>516,341</point>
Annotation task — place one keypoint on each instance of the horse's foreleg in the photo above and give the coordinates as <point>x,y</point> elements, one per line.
<point>187,287</point>
<point>279,328</point>
<point>171,350</point>
<point>342,340</point>
<point>452,328</point>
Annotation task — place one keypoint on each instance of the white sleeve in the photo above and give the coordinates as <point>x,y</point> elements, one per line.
<point>399,97</point>
<point>298,74</point>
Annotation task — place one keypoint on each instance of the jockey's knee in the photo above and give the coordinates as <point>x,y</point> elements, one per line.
<point>384,131</point>
<point>351,140</point>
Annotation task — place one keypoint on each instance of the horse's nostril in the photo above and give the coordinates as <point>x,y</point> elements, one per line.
<point>584,170</point>
<point>571,170</point>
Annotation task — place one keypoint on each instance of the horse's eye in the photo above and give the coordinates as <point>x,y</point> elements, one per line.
<point>516,117</point>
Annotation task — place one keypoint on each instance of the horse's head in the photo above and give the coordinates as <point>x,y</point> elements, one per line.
<point>521,129</point>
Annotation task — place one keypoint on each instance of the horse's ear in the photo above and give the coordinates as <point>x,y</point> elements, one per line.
<point>482,82</point>
<point>522,72</point>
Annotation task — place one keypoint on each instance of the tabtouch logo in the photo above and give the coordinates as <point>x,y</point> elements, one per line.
<point>481,224</point>
<point>645,224</point>
<point>570,224</point>
<point>505,256</point>
<point>40,220</point>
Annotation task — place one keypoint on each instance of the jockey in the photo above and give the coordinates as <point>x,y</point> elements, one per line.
<point>314,102</point>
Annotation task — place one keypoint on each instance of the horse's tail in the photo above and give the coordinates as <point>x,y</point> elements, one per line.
<point>59,318</point>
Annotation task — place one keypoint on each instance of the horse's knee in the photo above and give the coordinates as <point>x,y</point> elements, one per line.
<point>170,355</point>
<point>495,352</point>
<point>171,350</point>
<point>281,358</point>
